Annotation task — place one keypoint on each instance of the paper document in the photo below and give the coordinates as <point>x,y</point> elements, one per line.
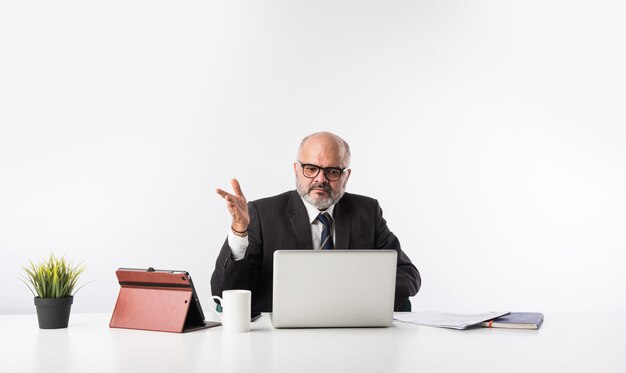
<point>445,320</point>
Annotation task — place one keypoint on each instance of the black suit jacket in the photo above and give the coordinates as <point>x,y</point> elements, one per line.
<point>282,222</point>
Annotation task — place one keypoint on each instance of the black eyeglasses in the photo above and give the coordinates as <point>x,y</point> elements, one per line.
<point>331,173</point>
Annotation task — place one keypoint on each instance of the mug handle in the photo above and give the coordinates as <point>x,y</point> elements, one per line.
<point>220,305</point>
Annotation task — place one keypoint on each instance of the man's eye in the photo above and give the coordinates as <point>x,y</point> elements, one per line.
<point>310,169</point>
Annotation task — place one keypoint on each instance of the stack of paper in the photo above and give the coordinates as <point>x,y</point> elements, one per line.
<point>445,320</point>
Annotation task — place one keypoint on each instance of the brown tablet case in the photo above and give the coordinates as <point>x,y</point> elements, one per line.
<point>157,300</point>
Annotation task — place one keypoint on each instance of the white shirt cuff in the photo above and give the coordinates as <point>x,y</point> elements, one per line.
<point>238,245</point>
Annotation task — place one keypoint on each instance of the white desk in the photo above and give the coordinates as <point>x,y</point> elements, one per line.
<point>565,343</point>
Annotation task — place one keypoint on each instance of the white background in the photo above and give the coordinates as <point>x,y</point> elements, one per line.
<point>492,133</point>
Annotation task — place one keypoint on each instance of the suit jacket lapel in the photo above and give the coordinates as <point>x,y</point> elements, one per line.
<point>299,221</point>
<point>342,223</point>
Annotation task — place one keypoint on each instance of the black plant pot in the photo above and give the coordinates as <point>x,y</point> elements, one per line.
<point>53,313</point>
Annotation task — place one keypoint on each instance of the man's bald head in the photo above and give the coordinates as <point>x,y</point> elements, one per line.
<point>329,143</point>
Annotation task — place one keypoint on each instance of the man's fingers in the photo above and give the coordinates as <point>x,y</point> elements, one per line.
<point>232,200</point>
<point>237,188</point>
<point>222,193</point>
<point>236,204</point>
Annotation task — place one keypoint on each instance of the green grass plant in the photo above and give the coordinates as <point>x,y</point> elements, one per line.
<point>53,277</point>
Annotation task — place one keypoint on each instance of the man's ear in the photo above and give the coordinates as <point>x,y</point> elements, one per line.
<point>295,168</point>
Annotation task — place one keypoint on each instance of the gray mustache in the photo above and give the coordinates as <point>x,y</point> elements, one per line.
<point>324,186</point>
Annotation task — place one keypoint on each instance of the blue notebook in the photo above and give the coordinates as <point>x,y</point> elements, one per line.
<point>516,320</point>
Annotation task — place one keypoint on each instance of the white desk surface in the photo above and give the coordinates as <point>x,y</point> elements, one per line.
<point>567,342</point>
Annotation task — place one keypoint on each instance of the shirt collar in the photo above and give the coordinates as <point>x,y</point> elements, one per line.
<point>312,211</point>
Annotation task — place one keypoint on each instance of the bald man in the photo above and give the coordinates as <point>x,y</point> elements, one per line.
<point>292,220</point>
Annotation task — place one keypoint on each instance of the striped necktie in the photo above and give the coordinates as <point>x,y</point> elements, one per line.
<point>327,238</point>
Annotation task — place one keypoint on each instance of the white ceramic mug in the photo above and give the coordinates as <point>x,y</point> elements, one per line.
<point>235,310</point>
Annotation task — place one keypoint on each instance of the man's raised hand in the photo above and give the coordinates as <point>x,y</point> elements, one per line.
<point>237,206</point>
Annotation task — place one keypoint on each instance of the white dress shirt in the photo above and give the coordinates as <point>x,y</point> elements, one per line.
<point>239,245</point>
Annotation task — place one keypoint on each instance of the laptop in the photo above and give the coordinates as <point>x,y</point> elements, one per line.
<point>158,300</point>
<point>333,288</point>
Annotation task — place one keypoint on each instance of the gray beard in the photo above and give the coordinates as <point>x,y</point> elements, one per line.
<point>320,203</point>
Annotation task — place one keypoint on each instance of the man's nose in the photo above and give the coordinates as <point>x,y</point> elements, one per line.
<point>320,178</point>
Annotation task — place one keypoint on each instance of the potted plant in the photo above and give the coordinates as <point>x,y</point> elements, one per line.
<point>52,282</point>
